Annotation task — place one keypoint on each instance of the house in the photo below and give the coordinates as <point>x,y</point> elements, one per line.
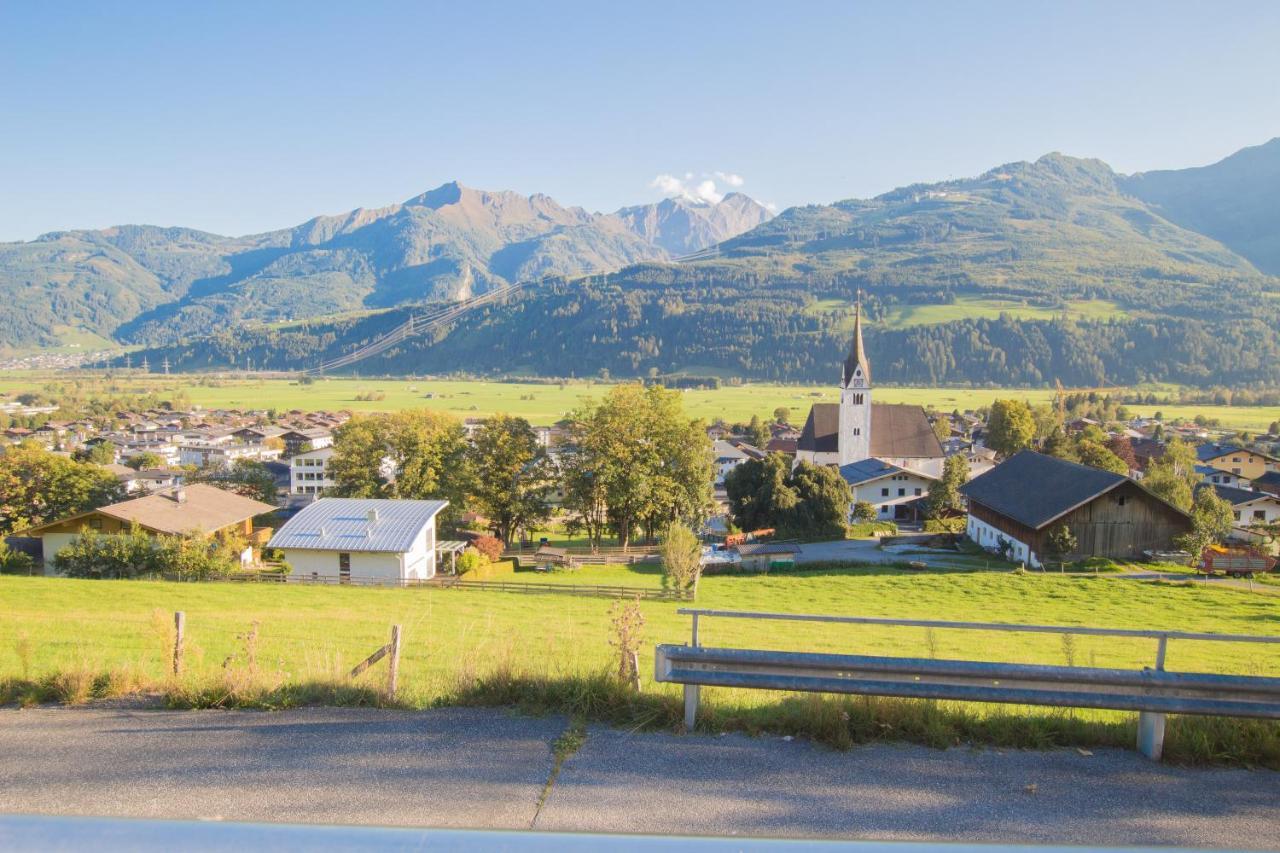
<point>889,488</point>
<point>375,540</point>
<point>1146,451</point>
<point>1215,477</point>
<point>1249,464</point>
<point>1022,500</point>
<point>185,510</point>
<point>309,472</point>
<point>731,454</point>
<point>298,440</point>
<point>219,455</point>
<point>147,480</point>
<point>1249,507</point>
<point>856,429</point>
<point>1268,482</point>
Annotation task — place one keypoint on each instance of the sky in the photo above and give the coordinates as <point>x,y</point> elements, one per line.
<point>242,117</point>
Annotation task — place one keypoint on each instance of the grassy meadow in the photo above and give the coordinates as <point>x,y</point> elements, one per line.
<point>546,403</point>
<point>84,638</point>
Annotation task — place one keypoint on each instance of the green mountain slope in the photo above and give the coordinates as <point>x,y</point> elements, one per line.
<point>1076,280</point>
<point>1235,201</point>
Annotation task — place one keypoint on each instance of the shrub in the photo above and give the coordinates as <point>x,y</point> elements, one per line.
<point>945,525</point>
<point>490,546</point>
<point>129,555</point>
<point>471,560</point>
<point>864,511</point>
<point>14,562</point>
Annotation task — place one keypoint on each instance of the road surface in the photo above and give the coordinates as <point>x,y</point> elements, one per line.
<point>487,768</point>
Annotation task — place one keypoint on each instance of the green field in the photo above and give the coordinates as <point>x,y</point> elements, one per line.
<point>547,403</point>
<point>70,640</point>
<point>317,631</point>
<point>972,308</point>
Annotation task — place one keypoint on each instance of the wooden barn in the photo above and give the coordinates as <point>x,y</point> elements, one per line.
<point>1026,497</point>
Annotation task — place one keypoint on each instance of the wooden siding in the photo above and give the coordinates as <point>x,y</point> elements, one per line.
<point>1120,524</point>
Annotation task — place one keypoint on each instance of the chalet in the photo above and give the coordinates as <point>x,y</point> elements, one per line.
<point>1249,464</point>
<point>1022,500</point>
<point>857,429</point>
<point>186,510</point>
<point>375,540</point>
<point>731,454</point>
<point>1249,507</point>
<point>892,490</point>
<point>1268,482</point>
<point>1217,477</point>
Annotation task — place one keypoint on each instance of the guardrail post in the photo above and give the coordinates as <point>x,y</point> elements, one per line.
<point>691,691</point>
<point>1150,723</point>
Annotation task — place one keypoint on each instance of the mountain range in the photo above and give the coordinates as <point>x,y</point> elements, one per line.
<point>1055,269</point>
<point>139,283</point>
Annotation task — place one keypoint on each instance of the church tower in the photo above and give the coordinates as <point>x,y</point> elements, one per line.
<point>855,399</point>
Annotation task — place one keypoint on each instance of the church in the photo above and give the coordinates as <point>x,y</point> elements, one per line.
<point>887,452</point>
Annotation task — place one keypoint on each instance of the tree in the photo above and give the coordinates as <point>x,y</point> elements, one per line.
<point>37,486</point>
<point>941,426</point>
<point>136,553</point>
<point>1211,521</point>
<point>1010,427</point>
<point>757,433</point>
<point>512,475</point>
<point>1060,542</point>
<point>246,477</point>
<point>638,461</point>
<point>99,453</point>
<point>810,501</point>
<point>414,454</point>
<point>1122,447</point>
<point>144,460</point>
<point>864,512</point>
<point>782,415</point>
<point>1098,456</point>
<point>944,494</point>
<point>1059,445</point>
<point>1173,476</point>
<point>681,555</point>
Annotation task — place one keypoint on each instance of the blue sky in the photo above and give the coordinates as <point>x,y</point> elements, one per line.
<point>244,117</point>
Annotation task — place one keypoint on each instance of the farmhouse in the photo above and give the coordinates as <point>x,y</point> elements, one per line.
<point>341,539</point>
<point>1249,507</point>
<point>184,510</point>
<point>1022,500</point>
<point>856,429</point>
<point>892,490</point>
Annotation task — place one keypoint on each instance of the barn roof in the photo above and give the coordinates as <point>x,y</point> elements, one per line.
<point>1034,489</point>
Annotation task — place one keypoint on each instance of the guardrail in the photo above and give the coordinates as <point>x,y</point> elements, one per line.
<point>1152,692</point>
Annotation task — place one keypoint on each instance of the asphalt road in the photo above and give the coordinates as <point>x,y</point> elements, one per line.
<point>490,769</point>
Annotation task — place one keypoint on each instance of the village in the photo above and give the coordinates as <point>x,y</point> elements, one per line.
<point>1083,487</point>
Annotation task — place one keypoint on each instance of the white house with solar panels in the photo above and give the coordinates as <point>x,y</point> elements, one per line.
<point>359,540</point>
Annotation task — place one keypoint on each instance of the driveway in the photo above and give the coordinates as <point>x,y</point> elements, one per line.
<point>487,768</point>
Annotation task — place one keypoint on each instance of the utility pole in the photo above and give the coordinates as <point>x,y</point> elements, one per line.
<point>166,365</point>
<point>146,367</point>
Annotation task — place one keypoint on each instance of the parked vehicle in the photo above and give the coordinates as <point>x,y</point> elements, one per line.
<point>1236,562</point>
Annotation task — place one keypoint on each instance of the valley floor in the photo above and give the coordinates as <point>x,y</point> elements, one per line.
<point>484,768</point>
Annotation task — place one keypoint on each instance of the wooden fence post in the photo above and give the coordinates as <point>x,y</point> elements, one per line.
<point>179,629</point>
<point>393,665</point>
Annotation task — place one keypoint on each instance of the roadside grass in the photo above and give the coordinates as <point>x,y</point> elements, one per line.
<point>644,575</point>
<point>74,641</point>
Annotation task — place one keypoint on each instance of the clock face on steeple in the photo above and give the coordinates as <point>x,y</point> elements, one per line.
<point>857,380</point>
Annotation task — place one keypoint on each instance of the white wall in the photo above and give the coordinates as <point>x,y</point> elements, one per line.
<point>873,492</point>
<point>989,537</point>
<point>418,563</point>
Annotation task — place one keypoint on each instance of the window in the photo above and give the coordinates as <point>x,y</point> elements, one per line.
<point>344,568</point>
<point>917,493</point>
<point>1122,499</point>
<point>884,493</point>
<point>902,493</point>
<point>1235,471</point>
<point>1259,515</point>
<point>857,399</point>
<point>1236,515</point>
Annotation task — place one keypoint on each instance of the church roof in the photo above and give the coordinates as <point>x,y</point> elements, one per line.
<point>897,431</point>
<point>857,354</point>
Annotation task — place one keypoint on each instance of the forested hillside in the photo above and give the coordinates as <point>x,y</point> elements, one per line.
<point>1029,273</point>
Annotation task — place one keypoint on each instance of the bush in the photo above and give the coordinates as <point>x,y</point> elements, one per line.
<point>490,546</point>
<point>14,562</point>
<point>945,525</point>
<point>864,511</point>
<point>471,560</point>
<point>136,553</point>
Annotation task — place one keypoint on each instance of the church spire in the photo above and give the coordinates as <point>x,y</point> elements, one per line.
<point>857,355</point>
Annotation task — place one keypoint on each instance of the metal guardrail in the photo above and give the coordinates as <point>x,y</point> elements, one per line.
<point>1153,692</point>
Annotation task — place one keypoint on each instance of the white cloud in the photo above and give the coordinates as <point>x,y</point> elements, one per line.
<point>707,188</point>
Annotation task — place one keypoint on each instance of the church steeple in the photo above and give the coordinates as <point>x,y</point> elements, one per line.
<point>857,357</point>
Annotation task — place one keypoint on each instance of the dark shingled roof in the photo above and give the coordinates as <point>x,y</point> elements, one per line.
<point>1034,489</point>
<point>1235,496</point>
<point>897,431</point>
